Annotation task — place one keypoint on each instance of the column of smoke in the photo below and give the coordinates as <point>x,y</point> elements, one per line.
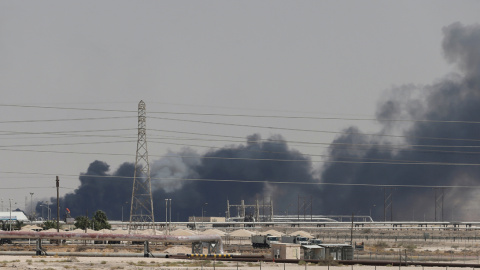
<point>454,97</point>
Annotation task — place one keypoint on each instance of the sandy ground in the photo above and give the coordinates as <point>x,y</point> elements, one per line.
<point>378,243</point>
<point>38,262</point>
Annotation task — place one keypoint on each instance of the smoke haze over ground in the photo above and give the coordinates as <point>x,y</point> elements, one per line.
<point>455,97</point>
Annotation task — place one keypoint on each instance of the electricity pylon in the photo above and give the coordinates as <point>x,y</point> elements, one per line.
<point>141,208</point>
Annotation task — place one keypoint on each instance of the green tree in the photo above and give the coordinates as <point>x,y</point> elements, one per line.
<point>5,225</point>
<point>19,225</point>
<point>82,222</point>
<point>100,221</point>
<point>49,224</point>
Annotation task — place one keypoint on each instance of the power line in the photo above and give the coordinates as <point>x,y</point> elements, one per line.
<point>258,181</point>
<point>246,115</point>
<point>166,103</point>
<point>66,152</point>
<point>15,188</point>
<point>243,125</point>
<point>319,118</point>
<point>307,130</point>
<point>240,139</point>
<point>59,144</point>
<point>352,161</point>
<point>382,146</point>
<point>7,188</point>
<point>344,147</point>
<point>10,132</point>
<point>224,136</point>
<point>389,146</point>
<point>328,161</point>
<point>64,119</point>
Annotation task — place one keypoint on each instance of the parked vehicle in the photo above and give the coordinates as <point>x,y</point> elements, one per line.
<point>314,242</point>
<point>5,241</point>
<point>263,241</point>
<point>295,239</point>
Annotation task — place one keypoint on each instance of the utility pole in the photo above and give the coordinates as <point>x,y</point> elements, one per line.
<point>58,204</point>
<point>351,232</point>
<point>298,207</point>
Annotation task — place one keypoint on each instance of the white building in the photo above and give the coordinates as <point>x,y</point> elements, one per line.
<point>16,215</point>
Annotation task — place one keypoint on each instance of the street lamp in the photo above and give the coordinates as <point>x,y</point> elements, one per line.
<point>205,204</point>
<point>170,223</point>
<point>166,215</point>
<point>10,221</point>
<point>43,207</point>
<point>48,210</point>
<point>31,206</point>
<point>122,211</point>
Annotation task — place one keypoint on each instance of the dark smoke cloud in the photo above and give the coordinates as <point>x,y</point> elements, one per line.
<point>250,169</point>
<point>109,193</point>
<point>455,97</point>
<point>460,46</point>
<point>98,190</point>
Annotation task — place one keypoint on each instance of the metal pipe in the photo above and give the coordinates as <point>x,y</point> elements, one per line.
<point>84,254</point>
<point>117,237</point>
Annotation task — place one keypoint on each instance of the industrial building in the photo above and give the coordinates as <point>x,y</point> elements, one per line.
<point>325,251</point>
<point>14,215</point>
<point>206,219</point>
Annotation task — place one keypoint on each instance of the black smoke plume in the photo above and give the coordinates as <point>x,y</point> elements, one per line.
<point>98,190</point>
<point>454,97</point>
<point>223,164</point>
<point>221,168</point>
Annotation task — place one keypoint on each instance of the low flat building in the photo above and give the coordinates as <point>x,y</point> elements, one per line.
<point>326,251</point>
<point>286,251</point>
<point>313,252</point>
<point>338,251</point>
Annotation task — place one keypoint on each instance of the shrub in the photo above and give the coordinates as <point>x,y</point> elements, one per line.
<point>380,245</point>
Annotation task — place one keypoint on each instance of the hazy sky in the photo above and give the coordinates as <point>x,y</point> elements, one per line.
<point>292,58</point>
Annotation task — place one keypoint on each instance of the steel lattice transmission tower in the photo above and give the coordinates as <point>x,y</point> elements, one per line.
<point>141,209</point>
